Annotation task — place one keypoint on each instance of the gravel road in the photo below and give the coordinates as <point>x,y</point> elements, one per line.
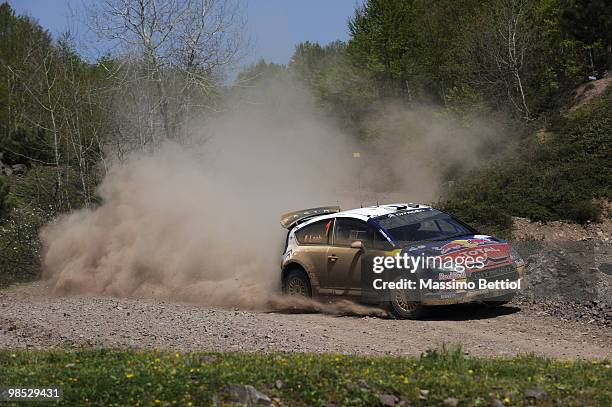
<point>29,318</point>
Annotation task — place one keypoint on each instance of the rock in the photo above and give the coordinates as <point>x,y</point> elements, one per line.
<point>247,395</point>
<point>451,402</point>
<point>535,394</point>
<point>606,268</point>
<point>497,403</point>
<point>19,168</point>
<point>279,384</point>
<point>388,399</point>
<point>7,171</point>
<point>423,394</point>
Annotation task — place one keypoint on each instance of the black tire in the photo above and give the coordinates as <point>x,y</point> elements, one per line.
<point>296,283</point>
<point>499,301</point>
<point>402,308</point>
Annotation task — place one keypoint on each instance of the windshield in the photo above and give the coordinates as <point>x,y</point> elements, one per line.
<point>422,224</point>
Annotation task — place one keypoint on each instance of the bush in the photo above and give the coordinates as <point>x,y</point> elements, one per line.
<point>582,211</point>
<point>20,246</point>
<point>21,146</point>
<point>33,204</point>
<point>553,179</point>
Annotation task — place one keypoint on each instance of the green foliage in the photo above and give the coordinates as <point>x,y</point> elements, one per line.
<point>21,39</point>
<point>38,189</point>
<point>581,211</point>
<point>590,22</point>
<point>19,245</point>
<point>103,377</point>
<point>33,197</point>
<point>341,88</point>
<point>23,146</point>
<point>262,70</point>
<point>550,176</point>
<point>409,47</point>
<point>53,119</point>
<point>456,56</point>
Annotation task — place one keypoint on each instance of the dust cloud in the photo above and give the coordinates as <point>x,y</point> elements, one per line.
<point>198,220</point>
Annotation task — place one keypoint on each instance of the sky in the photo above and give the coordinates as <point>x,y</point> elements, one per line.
<point>273,26</point>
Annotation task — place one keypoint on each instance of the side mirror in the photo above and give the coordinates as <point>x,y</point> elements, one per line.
<point>357,245</point>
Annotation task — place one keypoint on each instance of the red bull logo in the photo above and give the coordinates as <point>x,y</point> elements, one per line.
<point>463,244</point>
<point>485,254</point>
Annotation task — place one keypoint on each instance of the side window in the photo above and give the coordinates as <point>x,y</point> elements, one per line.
<point>380,242</point>
<point>347,230</point>
<point>315,233</point>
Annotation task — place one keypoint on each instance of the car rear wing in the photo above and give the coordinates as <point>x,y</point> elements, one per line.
<point>289,220</point>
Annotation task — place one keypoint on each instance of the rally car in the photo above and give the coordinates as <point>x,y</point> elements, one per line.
<point>329,252</point>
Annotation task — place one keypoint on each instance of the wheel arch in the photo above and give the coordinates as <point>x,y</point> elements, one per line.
<point>293,265</point>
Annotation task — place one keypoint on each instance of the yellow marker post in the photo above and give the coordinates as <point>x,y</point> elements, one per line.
<point>358,155</point>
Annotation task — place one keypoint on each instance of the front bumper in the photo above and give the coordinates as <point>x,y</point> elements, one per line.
<point>483,285</point>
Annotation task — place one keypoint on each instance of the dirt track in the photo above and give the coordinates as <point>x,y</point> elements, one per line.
<point>29,319</point>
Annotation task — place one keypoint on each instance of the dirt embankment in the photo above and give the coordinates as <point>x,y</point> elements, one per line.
<point>569,267</point>
<point>524,229</point>
<point>586,92</point>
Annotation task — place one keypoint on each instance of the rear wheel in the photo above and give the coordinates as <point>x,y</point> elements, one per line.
<point>403,308</point>
<point>297,284</point>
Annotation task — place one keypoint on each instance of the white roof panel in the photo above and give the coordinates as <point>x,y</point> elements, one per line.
<point>367,212</point>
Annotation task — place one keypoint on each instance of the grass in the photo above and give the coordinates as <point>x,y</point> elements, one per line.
<point>130,377</point>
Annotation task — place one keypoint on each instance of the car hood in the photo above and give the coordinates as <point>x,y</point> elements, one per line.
<point>493,252</point>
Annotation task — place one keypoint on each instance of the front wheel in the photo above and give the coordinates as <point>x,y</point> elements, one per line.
<point>297,284</point>
<point>402,308</point>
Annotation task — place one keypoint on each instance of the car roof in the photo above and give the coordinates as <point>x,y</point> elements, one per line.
<point>366,213</point>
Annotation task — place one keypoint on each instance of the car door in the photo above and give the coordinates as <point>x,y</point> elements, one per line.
<point>343,261</point>
<point>314,242</point>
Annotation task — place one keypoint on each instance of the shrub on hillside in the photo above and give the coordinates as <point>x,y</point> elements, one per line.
<point>582,211</point>
<point>553,179</point>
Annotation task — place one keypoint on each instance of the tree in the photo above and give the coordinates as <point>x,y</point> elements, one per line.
<point>382,35</point>
<point>262,70</point>
<point>21,39</point>
<point>590,21</point>
<point>52,106</point>
<point>504,41</point>
<point>170,56</point>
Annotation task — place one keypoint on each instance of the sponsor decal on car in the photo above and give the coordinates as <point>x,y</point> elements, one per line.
<point>462,244</point>
<point>490,255</point>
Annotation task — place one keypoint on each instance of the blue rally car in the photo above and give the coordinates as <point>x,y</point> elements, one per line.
<point>404,255</point>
